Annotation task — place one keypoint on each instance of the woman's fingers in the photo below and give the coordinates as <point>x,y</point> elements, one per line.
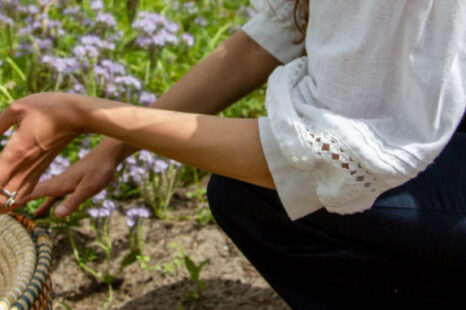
<point>73,201</point>
<point>55,186</point>
<point>7,119</point>
<point>45,206</point>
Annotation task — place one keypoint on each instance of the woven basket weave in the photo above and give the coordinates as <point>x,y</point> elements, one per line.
<point>25,255</point>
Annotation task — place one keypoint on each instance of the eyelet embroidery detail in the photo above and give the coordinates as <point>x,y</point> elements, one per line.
<point>331,150</point>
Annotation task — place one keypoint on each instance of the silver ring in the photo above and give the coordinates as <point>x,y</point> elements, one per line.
<point>11,197</point>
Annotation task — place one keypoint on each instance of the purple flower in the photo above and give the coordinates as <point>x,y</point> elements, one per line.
<point>100,196</point>
<point>90,46</point>
<point>24,48</point>
<point>190,7</point>
<point>109,204</point>
<point>84,51</point>
<point>171,27</point>
<point>160,166</point>
<point>175,163</point>
<point>129,81</point>
<point>137,174</point>
<point>107,19</point>
<point>112,91</point>
<point>101,71</point>
<point>72,10</point>
<point>113,67</point>
<point>28,29</point>
<point>134,213</point>
<point>148,23</point>
<point>93,40</point>
<point>155,30</point>
<point>83,152</point>
<point>146,156</point>
<point>5,20</point>
<point>97,5</point>
<point>44,44</point>
<point>189,39</point>
<point>131,160</point>
<point>201,21</point>
<point>32,9</point>
<point>146,98</point>
<point>139,212</point>
<point>61,65</point>
<point>99,212</point>
<point>44,2</point>
<point>58,166</point>
<point>78,88</point>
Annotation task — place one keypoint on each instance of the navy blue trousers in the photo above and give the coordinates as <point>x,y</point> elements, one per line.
<point>407,251</point>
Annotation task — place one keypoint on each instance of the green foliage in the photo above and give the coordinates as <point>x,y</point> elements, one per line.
<point>23,73</point>
<point>195,276</point>
<point>157,189</point>
<point>203,215</point>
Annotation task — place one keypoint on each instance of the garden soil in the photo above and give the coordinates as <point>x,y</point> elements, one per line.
<point>230,280</point>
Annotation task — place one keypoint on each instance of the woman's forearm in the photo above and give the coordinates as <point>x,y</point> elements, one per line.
<point>232,70</point>
<point>227,146</point>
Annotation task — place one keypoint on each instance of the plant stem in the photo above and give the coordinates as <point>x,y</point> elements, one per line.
<point>94,273</point>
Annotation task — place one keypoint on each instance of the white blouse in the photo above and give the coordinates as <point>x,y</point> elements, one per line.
<point>377,99</point>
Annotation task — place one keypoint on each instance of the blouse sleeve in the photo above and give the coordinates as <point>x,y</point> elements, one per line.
<point>363,113</point>
<point>311,165</point>
<point>274,29</point>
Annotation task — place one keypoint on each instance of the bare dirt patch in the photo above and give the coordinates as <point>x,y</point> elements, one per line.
<point>230,280</point>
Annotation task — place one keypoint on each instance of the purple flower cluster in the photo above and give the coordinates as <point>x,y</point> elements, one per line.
<point>133,214</point>
<point>6,20</point>
<point>71,10</point>
<point>58,166</point>
<point>106,19</point>
<point>40,31</point>
<point>155,30</point>
<point>97,5</point>
<point>146,98</point>
<point>41,25</point>
<point>90,46</point>
<point>77,88</point>
<point>139,167</point>
<point>112,76</point>
<point>9,8</point>
<point>189,39</point>
<point>62,65</point>
<point>190,7</point>
<point>201,21</point>
<point>106,206</point>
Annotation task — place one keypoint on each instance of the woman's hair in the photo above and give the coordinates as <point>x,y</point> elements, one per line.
<point>301,17</point>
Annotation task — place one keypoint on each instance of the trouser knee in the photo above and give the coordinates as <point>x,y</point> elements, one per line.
<point>219,192</point>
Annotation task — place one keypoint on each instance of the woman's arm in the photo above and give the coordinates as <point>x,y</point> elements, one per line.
<point>235,68</point>
<point>45,126</point>
<point>227,146</point>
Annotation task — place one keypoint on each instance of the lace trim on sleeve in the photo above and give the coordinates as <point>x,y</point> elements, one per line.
<point>344,185</point>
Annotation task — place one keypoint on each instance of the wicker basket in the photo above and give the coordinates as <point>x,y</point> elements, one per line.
<point>25,255</point>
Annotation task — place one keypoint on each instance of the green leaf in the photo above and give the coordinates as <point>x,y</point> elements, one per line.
<point>15,67</point>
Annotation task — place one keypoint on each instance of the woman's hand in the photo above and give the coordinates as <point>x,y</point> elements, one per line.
<point>46,123</point>
<point>82,180</point>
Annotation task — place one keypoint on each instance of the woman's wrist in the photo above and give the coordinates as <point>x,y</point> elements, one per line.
<point>115,150</point>
<point>112,149</point>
